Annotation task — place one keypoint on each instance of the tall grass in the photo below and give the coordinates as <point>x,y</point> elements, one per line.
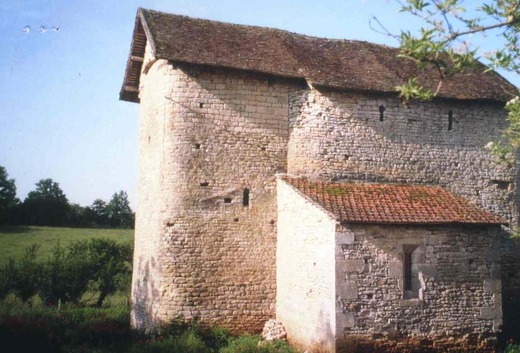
<point>70,328</point>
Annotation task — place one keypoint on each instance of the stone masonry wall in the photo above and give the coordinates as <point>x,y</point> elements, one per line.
<point>305,272</point>
<point>459,305</point>
<point>146,268</point>
<point>370,138</point>
<point>224,137</point>
<point>340,136</point>
<point>210,136</point>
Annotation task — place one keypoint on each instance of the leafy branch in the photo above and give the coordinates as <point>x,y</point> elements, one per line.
<point>444,43</point>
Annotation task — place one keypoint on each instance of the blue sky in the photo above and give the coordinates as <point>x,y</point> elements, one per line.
<point>60,116</point>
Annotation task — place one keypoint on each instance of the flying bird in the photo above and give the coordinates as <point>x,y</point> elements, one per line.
<point>42,29</point>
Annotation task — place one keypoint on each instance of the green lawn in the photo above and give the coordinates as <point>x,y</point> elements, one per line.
<point>15,239</point>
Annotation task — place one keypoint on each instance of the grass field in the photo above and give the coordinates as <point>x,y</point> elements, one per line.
<point>15,239</point>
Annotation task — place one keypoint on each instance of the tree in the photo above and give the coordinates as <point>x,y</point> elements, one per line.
<point>119,212</point>
<point>444,42</point>
<point>46,205</point>
<point>96,214</point>
<point>77,216</point>
<point>8,199</point>
<point>111,262</point>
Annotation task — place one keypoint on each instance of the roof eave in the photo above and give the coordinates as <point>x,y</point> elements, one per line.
<point>140,37</point>
<point>421,224</point>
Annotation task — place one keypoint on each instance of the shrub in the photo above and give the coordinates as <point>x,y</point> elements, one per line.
<point>22,278</point>
<point>66,277</point>
<point>216,337</point>
<point>512,348</point>
<point>253,344</point>
<point>69,329</point>
<point>111,264</point>
<point>25,276</point>
<point>98,264</point>
<point>7,277</point>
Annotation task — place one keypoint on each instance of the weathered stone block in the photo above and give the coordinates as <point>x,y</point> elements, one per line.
<point>490,313</point>
<point>427,270</point>
<point>492,285</point>
<point>350,290</point>
<point>345,238</point>
<point>497,325</point>
<point>395,268</point>
<point>346,320</point>
<point>354,265</point>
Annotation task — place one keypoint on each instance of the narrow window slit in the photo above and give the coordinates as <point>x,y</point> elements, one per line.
<point>245,198</point>
<point>382,112</point>
<point>204,183</point>
<point>201,105</point>
<point>501,184</point>
<point>450,120</point>
<point>197,146</point>
<point>227,200</point>
<point>408,271</point>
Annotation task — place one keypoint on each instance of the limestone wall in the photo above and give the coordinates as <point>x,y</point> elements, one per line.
<point>459,304</point>
<point>338,136</point>
<point>208,135</point>
<point>305,272</point>
<point>219,133</point>
<point>364,137</point>
<point>146,267</point>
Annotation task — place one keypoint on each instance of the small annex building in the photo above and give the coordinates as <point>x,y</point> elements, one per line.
<point>280,176</point>
<point>357,258</point>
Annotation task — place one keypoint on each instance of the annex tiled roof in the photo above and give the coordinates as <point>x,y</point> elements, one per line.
<point>340,64</point>
<point>392,203</point>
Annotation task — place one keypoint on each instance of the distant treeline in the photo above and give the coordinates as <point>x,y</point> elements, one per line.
<point>47,205</point>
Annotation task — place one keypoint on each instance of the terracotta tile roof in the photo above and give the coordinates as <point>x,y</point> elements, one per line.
<point>341,64</point>
<point>392,203</point>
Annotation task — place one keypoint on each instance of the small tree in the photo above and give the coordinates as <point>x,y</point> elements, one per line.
<point>97,214</point>
<point>77,216</point>
<point>119,211</point>
<point>46,205</point>
<point>8,199</point>
<point>27,274</point>
<point>66,276</point>
<point>111,264</point>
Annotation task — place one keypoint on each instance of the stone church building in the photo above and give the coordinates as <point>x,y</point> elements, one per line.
<point>280,176</point>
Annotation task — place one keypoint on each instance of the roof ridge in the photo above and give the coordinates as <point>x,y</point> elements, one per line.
<point>275,29</point>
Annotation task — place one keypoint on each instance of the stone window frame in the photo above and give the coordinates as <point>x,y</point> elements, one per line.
<point>414,290</point>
